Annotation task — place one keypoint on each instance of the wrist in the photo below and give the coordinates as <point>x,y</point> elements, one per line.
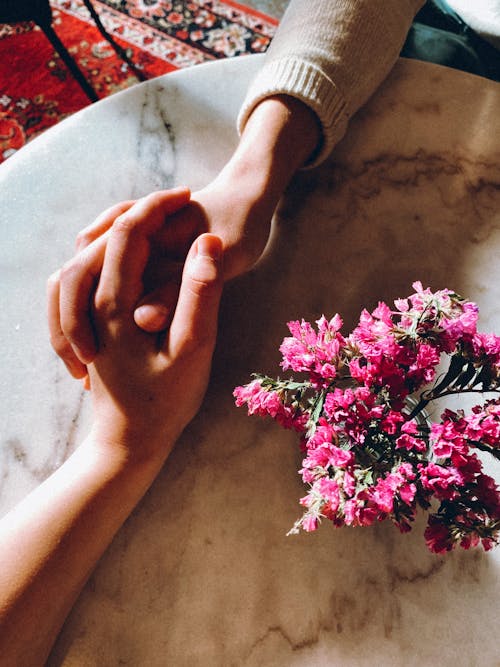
<point>280,136</point>
<point>238,204</point>
<point>126,447</point>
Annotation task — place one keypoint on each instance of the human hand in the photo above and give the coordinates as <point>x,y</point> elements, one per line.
<point>71,289</point>
<point>237,206</point>
<point>220,209</point>
<point>147,387</point>
<point>280,134</point>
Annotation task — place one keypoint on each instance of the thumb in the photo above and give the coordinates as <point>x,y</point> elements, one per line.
<point>195,319</point>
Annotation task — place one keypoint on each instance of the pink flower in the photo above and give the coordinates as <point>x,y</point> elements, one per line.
<point>410,427</point>
<point>383,494</point>
<point>374,334</point>
<point>396,484</point>
<point>380,373</point>
<point>324,457</point>
<point>407,493</point>
<point>329,490</point>
<point>437,536</point>
<point>447,437</point>
<point>486,347</point>
<point>350,512</point>
<point>442,481</point>
<point>264,403</point>
<point>484,425</point>
<point>383,313</point>
<point>317,353</point>
<point>402,305</point>
<point>391,421</point>
<point>324,433</point>
<point>410,443</point>
<point>366,515</point>
<point>470,540</point>
<point>340,458</point>
<point>364,459</point>
<point>461,323</point>
<point>423,369</point>
<point>348,483</point>
<point>309,523</point>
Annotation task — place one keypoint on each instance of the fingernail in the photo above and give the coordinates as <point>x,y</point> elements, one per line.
<point>209,246</point>
<point>181,190</point>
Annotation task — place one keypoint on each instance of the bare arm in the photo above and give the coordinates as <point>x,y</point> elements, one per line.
<point>237,206</point>
<point>332,55</point>
<point>51,541</point>
<point>327,58</point>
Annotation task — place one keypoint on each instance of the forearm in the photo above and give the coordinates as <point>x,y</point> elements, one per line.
<point>332,55</point>
<point>327,58</point>
<point>50,543</point>
<point>279,137</point>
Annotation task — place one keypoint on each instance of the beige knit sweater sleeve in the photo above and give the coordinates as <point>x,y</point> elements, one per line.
<point>332,55</point>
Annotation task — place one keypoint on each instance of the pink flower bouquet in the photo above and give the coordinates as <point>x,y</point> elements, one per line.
<point>359,404</point>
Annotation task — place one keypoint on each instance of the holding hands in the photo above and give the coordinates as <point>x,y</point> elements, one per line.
<point>145,388</point>
<point>237,206</point>
<point>136,377</point>
<point>180,221</point>
<point>142,337</point>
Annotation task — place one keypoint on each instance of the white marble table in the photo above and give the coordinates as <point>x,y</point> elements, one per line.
<point>202,573</point>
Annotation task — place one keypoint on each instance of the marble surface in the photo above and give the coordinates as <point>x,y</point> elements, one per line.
<point>203,573</point>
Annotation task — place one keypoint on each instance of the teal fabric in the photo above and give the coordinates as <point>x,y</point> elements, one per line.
<point>439,35</point>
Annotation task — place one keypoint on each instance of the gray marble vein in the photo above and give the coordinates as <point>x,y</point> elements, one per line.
<point>202,573</point>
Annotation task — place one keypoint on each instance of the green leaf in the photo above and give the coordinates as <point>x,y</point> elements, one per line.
<point>317,409</point>
<point>293,386</point>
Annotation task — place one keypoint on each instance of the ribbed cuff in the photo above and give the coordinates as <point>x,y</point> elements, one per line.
<point>300,79</point>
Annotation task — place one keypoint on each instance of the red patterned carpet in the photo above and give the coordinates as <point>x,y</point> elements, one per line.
<point>37,90</point>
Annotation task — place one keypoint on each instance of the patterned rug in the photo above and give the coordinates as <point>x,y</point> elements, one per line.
<point>37,90</point>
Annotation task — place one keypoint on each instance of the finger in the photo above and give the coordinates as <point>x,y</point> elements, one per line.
<point>101,224</point>
<point>78,279</point>
<point>195,319</point>
<point>58,340</point>
<point>128,250</point>
<point>161,283</point>
<point>182,229</point>
<point>155,311</point>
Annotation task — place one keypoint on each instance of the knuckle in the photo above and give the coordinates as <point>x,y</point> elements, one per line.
<point>61,345</point>
<point>71,331</point>
<point>124,224</point>
<point>152,198</point>
<point>107,307</point>
<point>201,287</point>
<point>58,341</point>
<point>70,270</point>
<point>84,238</point>
<point>204,279</point>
